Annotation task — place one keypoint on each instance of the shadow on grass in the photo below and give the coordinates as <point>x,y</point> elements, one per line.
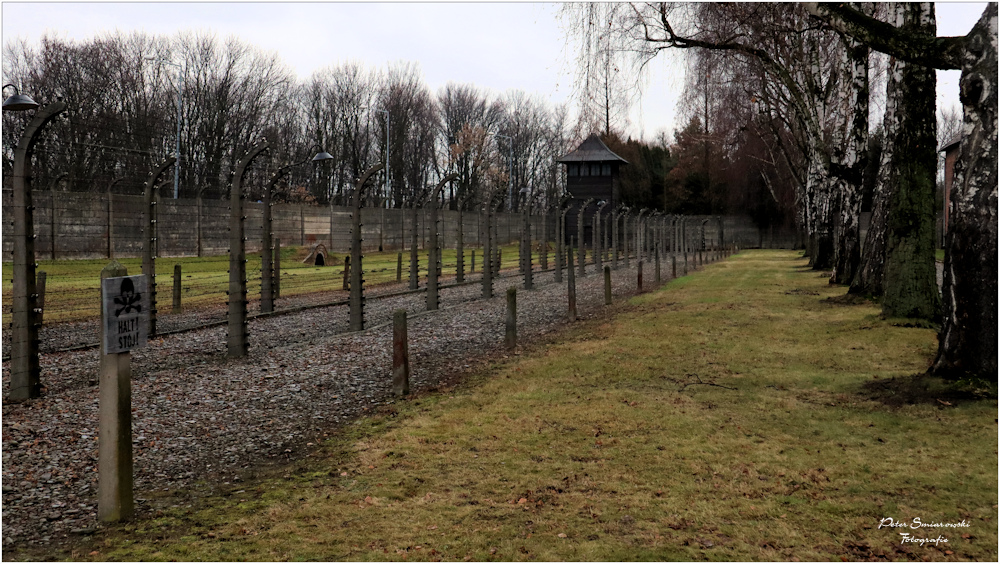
<point>925,389</point>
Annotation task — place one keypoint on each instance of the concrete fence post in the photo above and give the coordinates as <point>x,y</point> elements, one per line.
<point>607,285</point>
<point>356,301</point>
<point>399,266</point>
<point>276,270</point>
<point>510,335</point>
<point>656,259</point>
<point>238,343</point>
<point>347,273</point>
<point>472,263</point>
<point>529,281</point>
<point>638,282</point>
<point>571,282</point>
<point>580,237</point>
<point>400,355</point>
<point>266,252</point>
<point>177,289</point>
<point>460,248</point>
<point>597,244</point>
<point>625,234</point>
<point>486,237</point>
<point>673,266</point>
<point>543,243</point>
<point>434,246</point>
<point>560,244</point>
<point>685,263</point>
<point>414,256</point>
<point>40,289</point>
<point>114,443</point>
<point>149,241</point>
<point>615,214</point>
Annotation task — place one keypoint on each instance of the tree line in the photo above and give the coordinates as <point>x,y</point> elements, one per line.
<point>123,92</point>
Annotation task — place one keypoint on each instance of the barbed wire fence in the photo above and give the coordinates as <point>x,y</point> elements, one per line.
<point>84,217</point>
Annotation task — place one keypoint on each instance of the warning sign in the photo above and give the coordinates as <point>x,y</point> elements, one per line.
<point>126,313</point>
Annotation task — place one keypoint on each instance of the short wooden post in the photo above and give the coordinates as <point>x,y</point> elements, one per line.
<point>40,290</point>
<point>571,282</point>
<point>177,289</point>
<point>400,355</point>
<point>114,464</point>
<point>510,336</point>
<point>607,285</point>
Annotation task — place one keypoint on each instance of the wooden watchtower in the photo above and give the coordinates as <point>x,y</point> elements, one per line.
<point>591,172</point>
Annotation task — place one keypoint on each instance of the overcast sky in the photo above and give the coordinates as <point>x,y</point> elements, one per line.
<point>497,46</point>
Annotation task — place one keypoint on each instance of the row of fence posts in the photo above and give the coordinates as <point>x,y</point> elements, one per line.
<point>115,490</point>
<point>271,260</point>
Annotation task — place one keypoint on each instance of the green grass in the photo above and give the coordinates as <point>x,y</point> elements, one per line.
<point>73,286</point>
<point>939,255</point>
<point>734,414</point>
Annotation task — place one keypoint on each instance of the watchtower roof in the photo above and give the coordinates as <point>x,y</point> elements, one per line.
<point>593,150</point>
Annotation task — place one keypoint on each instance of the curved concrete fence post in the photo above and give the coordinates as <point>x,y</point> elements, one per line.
<point>25,374</point>
<point>149,245</point>
<point>238,339</point>
<point>356,301</point>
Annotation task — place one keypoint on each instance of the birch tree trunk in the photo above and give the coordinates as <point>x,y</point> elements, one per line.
<point>847,256</point>
<point>911,289</point>
<point>968,338</point>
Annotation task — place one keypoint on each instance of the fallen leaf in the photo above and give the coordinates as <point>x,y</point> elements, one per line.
<point>561,535</point>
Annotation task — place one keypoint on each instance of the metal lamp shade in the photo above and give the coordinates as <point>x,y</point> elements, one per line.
<point>19,103</point>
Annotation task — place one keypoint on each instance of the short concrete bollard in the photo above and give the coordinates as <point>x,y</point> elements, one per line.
<point>40,290</point>
<point>400,355</point>
<point>114,480</point>
<point>177,289</point>
<point>399,267</point>
<point>510,335</point>
<point>347,272</point>
<point>607,285</point>
<point>638,280</point>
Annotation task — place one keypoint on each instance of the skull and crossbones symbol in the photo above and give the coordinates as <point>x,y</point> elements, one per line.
<point>130,300</point>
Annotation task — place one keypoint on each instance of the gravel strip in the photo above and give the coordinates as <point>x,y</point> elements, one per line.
<point>199,416</point>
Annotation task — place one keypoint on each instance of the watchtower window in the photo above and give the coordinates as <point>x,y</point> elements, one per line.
<point>573,170</point>
<point>585,170</point>
<point>606,169</point>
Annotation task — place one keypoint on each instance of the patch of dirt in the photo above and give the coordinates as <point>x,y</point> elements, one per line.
<point>922,389</point>
<point>801,292</point>
<point>849,299</point>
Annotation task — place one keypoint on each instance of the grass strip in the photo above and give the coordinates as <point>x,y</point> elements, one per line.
<point>733,414</point>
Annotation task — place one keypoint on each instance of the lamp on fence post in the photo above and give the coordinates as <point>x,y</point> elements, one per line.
<point>25,374</point>
<point>267,252</point>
